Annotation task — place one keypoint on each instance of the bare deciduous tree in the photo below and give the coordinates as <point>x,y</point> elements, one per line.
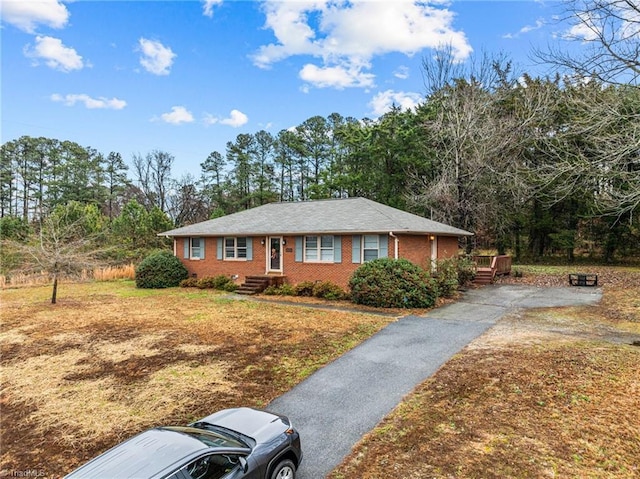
<point>153,174</point>
<point>608,34</point>
<point>596,150</point>
<point>476,144</point>
<point>65,244</point>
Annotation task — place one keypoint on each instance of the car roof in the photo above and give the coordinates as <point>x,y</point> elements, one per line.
<point>132,457</point>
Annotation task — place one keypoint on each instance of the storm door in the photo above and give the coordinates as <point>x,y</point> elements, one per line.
<point>274,259</point>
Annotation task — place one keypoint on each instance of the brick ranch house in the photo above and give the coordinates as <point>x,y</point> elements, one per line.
<point>323,240</point>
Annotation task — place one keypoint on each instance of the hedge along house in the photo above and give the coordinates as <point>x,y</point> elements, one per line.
<point>323,240</point>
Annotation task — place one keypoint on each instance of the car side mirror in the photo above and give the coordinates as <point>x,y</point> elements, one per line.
<point>244,465</point>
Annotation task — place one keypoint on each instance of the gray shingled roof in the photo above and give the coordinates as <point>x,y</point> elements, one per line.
<point>336,216</point>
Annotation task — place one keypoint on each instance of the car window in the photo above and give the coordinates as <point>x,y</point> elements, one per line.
<point>211,436</point>
<point>215,466</point>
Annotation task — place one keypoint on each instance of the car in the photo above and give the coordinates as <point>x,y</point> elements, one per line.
<point>230,444</point>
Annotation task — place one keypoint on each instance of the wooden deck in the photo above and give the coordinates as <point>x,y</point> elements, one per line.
<point>488,267</point>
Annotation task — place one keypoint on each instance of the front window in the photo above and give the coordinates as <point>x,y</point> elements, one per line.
<point>196,247</point>
<point>318,248</point>
<point>235,248</point>
<point>371,247</point>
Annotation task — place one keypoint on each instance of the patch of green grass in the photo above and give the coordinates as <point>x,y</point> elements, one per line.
<point>140,292</point>
<point>297,369</point>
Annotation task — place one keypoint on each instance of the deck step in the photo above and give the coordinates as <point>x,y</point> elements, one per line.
<point>483,276</point>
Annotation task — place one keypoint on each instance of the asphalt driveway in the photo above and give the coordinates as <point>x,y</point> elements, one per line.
<point>338,404</point>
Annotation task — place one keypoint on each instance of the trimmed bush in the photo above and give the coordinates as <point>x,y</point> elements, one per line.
<point>390,283</point>
<point>206,282</point>
<point>304,289</point>
<point>446,275</point>
<point>160,269</point>
<point>328,290</point>
<point>466,270</point>
<point>189,283</point>
<point>452,273</point>
<point>229,286</point>
<point>282,290</point>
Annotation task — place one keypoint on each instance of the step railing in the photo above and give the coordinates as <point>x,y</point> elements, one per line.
<point>499,265</point>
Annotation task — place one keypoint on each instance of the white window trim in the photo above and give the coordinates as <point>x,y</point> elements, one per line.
<point>235,248</point>
<point>377,237</point>
<point>318,249</point>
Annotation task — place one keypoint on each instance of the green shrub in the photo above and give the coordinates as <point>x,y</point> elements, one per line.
<point>230,286</point>
<point>328,290</point>
<point>452,273</point>
<point>390,283</point>
<point>221,282</point>
<point>466,270</point>
<point>446,276</point>
<point>206,282</point>
<point>282,290</point>
<point>189,283</point>
<point>160,269</point>
<point>304,289</point>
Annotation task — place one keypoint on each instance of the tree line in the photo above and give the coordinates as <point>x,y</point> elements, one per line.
<point>537,165</point>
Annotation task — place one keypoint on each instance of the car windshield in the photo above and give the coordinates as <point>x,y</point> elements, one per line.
<point>210,438</point>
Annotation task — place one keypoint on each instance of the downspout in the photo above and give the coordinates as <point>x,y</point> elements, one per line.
<point>395,248</point>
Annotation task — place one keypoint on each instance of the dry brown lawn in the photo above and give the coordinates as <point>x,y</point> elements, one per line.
<point>109,360</point>
<point>546,393</point>
<point>549,393</point>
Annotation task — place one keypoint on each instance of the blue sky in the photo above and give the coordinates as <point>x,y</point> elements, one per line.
<point>188,76</point>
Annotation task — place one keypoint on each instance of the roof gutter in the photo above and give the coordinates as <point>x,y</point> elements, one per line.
<point>395,247</point>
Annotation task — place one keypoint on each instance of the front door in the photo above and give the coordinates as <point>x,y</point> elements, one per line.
<point>274,259</point>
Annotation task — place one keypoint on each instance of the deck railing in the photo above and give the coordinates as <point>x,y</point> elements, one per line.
<point>499,265</point>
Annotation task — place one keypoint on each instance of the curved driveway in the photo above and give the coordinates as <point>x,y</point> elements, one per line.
<point>341,402</point>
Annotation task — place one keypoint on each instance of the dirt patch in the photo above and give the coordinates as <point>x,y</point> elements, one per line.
<point>109,361</point>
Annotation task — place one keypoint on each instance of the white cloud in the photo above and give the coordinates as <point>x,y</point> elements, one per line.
<point>526,29</point>
<point>27,14</point>
<point>207,8</point>
<point>346,35</point>
<point>156,58</point>
<point>622,23</point>
<point>178,115</point>
<point>582,31</point>
<point>236,119</point>
<point>401,72</point>
<point>89,102</point>
<point>336,76</point>
<point>383,101</point>
<point>54,54</point>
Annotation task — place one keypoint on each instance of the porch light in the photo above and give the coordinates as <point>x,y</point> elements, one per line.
<point>262,241</point>
<point>432,237</point>
<point>284,241</point>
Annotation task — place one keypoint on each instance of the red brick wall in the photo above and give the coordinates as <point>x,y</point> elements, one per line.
<point>338,273</point>
<point>415,248</point>
<point>211,266</point>
<point>447,247</point>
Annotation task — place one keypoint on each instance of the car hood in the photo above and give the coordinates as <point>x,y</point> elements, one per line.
<point>261,426</point>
